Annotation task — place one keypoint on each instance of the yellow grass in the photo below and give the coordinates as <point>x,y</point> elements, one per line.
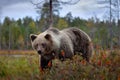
<point>19,52</point>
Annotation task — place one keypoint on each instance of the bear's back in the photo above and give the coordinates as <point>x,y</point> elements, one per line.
<point>79,38</point>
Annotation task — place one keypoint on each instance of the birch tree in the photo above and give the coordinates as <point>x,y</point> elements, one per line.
<point>109,12</point>
<point>0,36</point>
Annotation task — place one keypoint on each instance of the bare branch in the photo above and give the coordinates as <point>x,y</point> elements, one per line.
<point>38,5</point>
<point>102,2</point>
<point>69,2</point>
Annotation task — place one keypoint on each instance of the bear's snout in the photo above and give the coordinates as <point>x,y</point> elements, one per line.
<point>39,52</point>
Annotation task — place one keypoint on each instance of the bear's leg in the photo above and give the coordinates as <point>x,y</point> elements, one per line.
<point>66,49</point>
<point>67,52</point>
<point>85,57</point>
<point>62,55</point>
<point>45,63</point>
<point>87,52</point>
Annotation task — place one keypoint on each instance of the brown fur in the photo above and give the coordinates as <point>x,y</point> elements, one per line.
<point>78,40</point>
<point>70,40</point>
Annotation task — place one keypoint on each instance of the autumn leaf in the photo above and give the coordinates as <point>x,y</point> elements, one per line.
<point>99,63</point>
<point>49,64</point>
<point>83,62</point>
<point>62,53</point>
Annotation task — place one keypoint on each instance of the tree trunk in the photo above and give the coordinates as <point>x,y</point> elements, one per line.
<point>119,32</point>
<point>110,25</point>
<point>0,29</point>
<point>9,39</point>
<point>0,38</point>
<point>118,5</point>
<point>51,14</point>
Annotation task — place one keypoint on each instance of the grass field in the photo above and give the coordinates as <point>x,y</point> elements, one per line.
<point>104,66</point>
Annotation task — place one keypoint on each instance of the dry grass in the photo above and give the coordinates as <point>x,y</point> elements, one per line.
<point>19,52</point>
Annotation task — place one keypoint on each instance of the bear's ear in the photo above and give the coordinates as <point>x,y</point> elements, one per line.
<point>48,36</point>
<point>33,37</point>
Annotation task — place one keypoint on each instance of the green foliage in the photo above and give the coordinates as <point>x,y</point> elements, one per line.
<point>103,66</point>
<point>62,24</point>
<point>16,67</point>
<point>15,34</point>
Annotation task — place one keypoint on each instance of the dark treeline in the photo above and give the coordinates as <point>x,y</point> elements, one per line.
<point>14,34</point>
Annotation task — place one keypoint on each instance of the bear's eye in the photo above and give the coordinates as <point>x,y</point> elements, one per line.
<point>43,45</point>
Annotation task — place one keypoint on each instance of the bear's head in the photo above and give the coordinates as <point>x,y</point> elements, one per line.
<point>42,43</point>
<point>46,42</point>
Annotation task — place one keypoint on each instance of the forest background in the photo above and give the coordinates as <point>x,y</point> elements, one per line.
<point>105,34</point>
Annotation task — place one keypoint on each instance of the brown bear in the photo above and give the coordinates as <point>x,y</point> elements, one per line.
<point>61,44</point>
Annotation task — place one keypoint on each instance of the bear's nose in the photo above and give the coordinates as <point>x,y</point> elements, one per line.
<point>39,52</point>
